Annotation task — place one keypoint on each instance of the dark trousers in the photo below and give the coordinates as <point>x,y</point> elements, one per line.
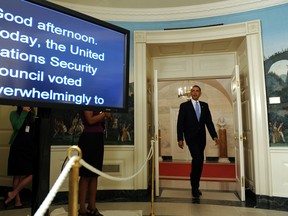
<point>196,170</point>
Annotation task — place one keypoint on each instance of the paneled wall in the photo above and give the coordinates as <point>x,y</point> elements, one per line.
<point>5,133</point>
<point>118,163</point>
<point>195,66</point>
<point>279,172</point>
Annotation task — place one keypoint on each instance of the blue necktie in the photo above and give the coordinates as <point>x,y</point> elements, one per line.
<point>197,110</point>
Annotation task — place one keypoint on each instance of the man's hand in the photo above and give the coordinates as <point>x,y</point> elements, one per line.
<point>217,141</point>
<point>181,144</point>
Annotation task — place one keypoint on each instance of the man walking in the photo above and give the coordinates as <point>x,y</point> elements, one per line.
<point>192,118</point>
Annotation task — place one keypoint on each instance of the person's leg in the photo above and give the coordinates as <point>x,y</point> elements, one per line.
<point>21,184</point>
<point>92,193</point>
<point>16,181</point>
<point>83,186</point>
<point>92,210</point>
<point>196,168</point>
<point>197,165</point>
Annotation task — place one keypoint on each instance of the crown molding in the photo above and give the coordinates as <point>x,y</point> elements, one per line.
<point>171,13</point>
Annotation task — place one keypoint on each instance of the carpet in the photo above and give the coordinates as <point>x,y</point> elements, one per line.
<point>209,195</point>
<point>211,171</point>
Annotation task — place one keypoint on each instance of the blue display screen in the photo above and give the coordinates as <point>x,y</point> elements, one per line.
<point>52,56</point>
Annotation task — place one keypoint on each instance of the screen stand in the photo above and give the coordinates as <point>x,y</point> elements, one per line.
<point>41,173</point>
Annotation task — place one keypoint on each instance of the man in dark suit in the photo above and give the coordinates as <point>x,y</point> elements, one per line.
<point>194,132</point>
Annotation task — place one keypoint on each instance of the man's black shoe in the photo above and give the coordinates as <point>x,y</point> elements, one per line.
<point>196,193</point>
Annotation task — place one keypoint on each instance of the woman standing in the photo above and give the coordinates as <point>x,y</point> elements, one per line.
<point>91,143</point>
<point>20,161</point>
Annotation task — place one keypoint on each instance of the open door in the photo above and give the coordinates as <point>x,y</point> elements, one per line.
<point>238,133</point>
<point>156,129</point>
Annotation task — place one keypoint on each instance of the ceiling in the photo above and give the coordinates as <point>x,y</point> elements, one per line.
<point>161,50</point>
<point>162,10</point>
<point>141,4</point>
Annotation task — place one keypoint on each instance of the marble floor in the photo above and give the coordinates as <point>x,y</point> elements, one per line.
<point>218,199</point>
<point>169,209</point>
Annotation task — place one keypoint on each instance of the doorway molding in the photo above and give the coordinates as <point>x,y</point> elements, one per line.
<point>143,67</point>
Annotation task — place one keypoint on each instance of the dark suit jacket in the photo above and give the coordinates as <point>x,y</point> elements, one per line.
<point>193,131</point>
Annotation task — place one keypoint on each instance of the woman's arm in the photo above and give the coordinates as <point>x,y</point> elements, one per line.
<point>93,119</point>
<point>18,120</point>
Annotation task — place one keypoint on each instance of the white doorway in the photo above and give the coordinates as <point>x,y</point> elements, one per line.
<point>217,93</point>
<point>148,46</point>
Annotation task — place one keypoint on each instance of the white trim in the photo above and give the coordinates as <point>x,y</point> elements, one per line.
<point>171,13</point>
<point>141,118</point>
<point>262,164</point>
<point>251,30</point>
